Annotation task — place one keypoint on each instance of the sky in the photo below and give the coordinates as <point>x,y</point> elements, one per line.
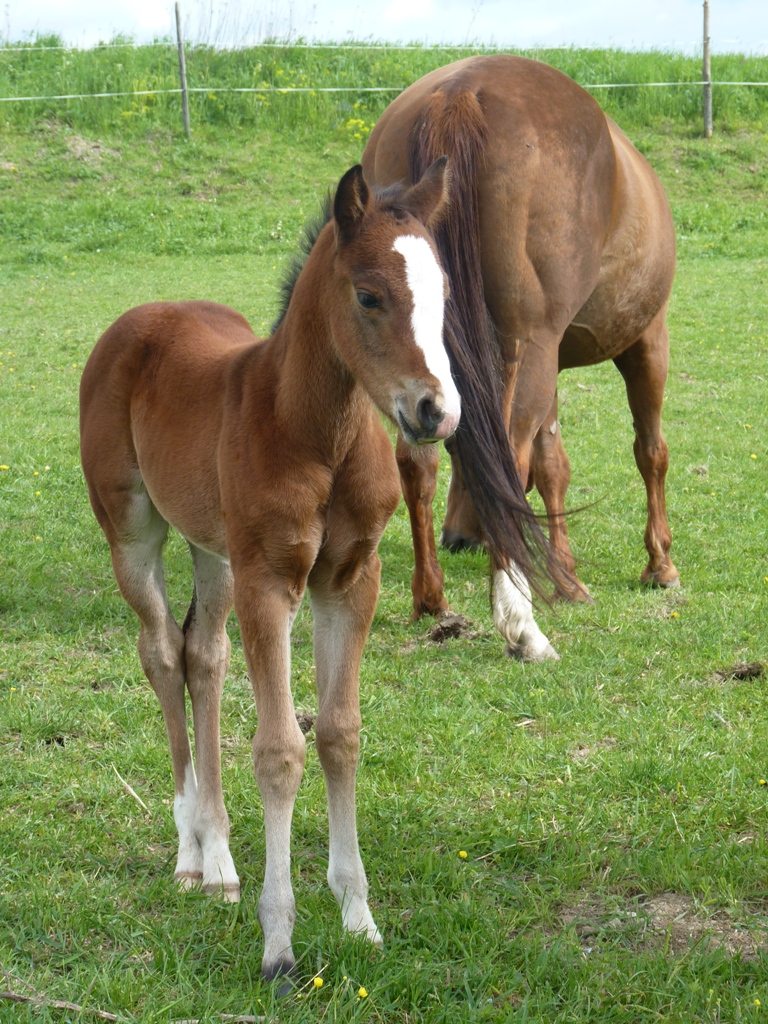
<point>735,25</point>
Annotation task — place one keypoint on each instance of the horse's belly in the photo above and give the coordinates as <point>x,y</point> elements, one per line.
<point>580,347</point>
<point>183,487</point>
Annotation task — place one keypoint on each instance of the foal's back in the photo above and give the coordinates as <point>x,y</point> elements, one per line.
<point>151,404</point>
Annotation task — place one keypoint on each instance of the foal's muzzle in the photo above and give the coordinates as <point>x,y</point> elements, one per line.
<point>427,422</point>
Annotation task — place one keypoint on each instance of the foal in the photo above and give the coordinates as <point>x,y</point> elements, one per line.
<point>270,459</point>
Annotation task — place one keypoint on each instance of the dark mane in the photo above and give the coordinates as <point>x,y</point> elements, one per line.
<point>391,201</point>
<point>308,238</point>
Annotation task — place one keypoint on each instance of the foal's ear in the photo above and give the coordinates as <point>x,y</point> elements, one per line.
<point>428,199</point>
<point>351,202</point>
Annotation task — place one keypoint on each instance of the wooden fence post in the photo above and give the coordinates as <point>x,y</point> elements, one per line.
<point>182,73</point>
<point>707,76</point>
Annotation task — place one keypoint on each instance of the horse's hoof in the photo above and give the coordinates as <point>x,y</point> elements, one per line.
<point>437,607</point>
<point>671,583</point>
<point>230,892</point>
<point>528,653</point>
<point>577,594</point>
<point>667,578</point>
<point>455,542</point>
<point>283,973</point>
<point>189,879</point>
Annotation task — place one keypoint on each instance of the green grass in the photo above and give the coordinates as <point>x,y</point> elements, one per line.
<point>580,790</point>
<point>40,72</point>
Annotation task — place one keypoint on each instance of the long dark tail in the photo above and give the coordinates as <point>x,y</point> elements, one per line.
<point>454,125</point>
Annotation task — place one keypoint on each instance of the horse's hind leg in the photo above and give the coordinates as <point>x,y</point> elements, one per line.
<point>207,659</point>
<point>461,526</point>
<point>644,368</point>
<point>552,474</point>
<point>136,533</point>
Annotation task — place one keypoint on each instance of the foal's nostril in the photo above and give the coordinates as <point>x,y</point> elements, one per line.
<point>430,416</point>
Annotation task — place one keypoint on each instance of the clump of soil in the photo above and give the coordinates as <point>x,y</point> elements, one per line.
<point>741,670</point>
<point>451,627</point>
<point>306,720</point>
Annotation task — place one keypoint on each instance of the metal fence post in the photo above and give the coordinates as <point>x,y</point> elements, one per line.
<point>182,73</point>
<point>707,76</point>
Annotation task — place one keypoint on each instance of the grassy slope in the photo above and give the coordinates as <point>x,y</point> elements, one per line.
<point>621,772</point>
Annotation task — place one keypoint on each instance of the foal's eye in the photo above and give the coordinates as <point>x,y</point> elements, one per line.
<point>368,300</point>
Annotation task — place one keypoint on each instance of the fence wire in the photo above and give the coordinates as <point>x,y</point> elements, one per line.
<point>313,90</point>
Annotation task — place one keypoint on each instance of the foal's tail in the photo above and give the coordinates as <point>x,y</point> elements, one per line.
<point>454,125</point>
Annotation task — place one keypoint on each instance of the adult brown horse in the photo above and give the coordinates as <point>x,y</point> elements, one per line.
<point>270,459</point>
<point>559,248</point>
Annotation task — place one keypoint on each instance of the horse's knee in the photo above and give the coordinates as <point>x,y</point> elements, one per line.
<point>206,658</point>
<point>278,761</point>
<point>337,737</point>
<point>161,652</point>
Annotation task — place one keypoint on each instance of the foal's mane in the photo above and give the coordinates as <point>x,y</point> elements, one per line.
<point>389,200</point>
<point>308,237</point>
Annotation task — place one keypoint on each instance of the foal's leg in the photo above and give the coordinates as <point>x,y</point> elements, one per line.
<point>644,368</point>
<point>342,620</point>
<point>552,474</point>
<point>266,606</point>
<point>418,478</point>
<point>207,659</point>
<point>136,537</point>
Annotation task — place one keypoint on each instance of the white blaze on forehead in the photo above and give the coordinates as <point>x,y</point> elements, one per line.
<point>425,279</point>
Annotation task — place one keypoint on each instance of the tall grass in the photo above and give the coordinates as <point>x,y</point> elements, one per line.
<point>38,71</point>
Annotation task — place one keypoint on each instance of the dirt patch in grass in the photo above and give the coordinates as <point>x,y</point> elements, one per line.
<point>452,627</point>
<point>669,922</point>
<point>672,600</point>
<point>583,751</point>
<point>740,671</point>
<point>90,152</point>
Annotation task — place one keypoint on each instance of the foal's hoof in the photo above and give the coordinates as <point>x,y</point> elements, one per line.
<point>455,541</point>
<point>283,973</point>
<point>189,879</point>
<point>230,892</point>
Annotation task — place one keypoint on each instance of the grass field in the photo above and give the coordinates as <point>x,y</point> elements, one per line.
<point>128,69</point>
<point>612,805</point>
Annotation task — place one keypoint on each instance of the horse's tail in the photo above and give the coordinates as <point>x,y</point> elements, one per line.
<point>454,125</point>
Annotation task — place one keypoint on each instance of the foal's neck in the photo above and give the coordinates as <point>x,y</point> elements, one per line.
<point>314,390</point>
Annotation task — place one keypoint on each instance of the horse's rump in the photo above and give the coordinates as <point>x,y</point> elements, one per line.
<point>156,386</point>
